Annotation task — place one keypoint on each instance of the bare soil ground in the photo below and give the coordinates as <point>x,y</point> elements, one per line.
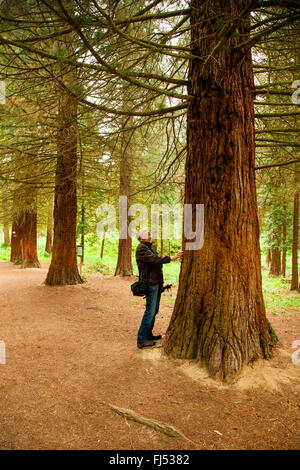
<point>69,348</point>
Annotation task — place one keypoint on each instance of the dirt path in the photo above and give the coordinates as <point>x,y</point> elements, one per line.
<point>68,348</point>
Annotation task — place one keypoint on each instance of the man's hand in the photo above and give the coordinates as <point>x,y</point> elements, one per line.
<point>178,255</point>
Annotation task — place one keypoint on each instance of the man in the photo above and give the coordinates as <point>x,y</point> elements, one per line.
<point>150,271</point>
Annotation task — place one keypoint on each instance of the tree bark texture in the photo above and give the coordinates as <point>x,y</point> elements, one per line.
<point>219,316</point>
<point>63,269</point>
<point>29,239</point>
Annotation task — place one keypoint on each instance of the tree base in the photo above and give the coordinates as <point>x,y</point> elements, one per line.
<point>30,264</point>
<point>123,273</point>
<point>223,361</point>
<point>62,278</point>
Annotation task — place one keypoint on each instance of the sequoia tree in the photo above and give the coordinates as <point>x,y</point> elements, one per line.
<point>219,316</point>
<point>63,268</point>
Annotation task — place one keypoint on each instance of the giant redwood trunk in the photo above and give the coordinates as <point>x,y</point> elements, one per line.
<point>219,316</point>
<point>124,263</point>
<point>29,239</point>
<point>295,277</point>
<point>63,268</point>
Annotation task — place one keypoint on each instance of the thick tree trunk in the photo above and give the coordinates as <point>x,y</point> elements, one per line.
<point>295,277</point>
<point>29,240</point>
<point>219,316</point>
<point>124,263</point>
<point>49,238</point>
<point>63,268</point>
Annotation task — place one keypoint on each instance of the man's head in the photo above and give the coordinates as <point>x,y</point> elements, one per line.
<point>143,235</point>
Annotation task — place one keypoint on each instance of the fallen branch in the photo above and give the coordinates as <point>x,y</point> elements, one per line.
<point>152,423</point>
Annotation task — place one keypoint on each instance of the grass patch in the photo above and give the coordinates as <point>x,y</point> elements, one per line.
<point>277,295</point>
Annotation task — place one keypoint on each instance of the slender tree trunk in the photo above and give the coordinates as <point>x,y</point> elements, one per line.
<point>29,239</point>
<point>49,238</point>
<point>124,264</point>
<point>102,244</point>
<point>295,278</point>
<point>219,316</point>
<point>275,266</point>
<point>63,268</point>
<point>268,257</point>
<point>283,264</point>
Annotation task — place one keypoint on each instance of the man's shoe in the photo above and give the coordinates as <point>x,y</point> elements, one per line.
<point>145,344</point>
<point>155,338</point>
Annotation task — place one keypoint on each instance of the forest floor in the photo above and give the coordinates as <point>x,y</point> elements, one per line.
<point>68,349</point>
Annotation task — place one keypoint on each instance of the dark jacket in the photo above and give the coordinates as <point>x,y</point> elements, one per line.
<point>150,264</point>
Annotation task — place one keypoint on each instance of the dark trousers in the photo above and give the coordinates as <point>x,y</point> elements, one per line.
<point>152,307</point>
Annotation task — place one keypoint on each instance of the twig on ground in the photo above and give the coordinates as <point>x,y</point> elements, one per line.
<point>159,426</point>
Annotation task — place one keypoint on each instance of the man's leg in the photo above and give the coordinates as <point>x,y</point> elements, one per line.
<point>151,304</point>
<point>156,308</point>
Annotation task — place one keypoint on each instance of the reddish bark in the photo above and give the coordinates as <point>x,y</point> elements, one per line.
<point>29,240</point>
<point>63,268</point>
<point>219,316</point>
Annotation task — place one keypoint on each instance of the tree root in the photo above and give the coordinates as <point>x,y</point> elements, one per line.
<point>159,426</point>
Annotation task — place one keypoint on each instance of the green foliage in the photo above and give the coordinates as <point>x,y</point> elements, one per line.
<point>82,226</point>
<point>277,295</point>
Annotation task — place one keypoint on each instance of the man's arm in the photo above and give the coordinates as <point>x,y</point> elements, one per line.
<point>147,256</point>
